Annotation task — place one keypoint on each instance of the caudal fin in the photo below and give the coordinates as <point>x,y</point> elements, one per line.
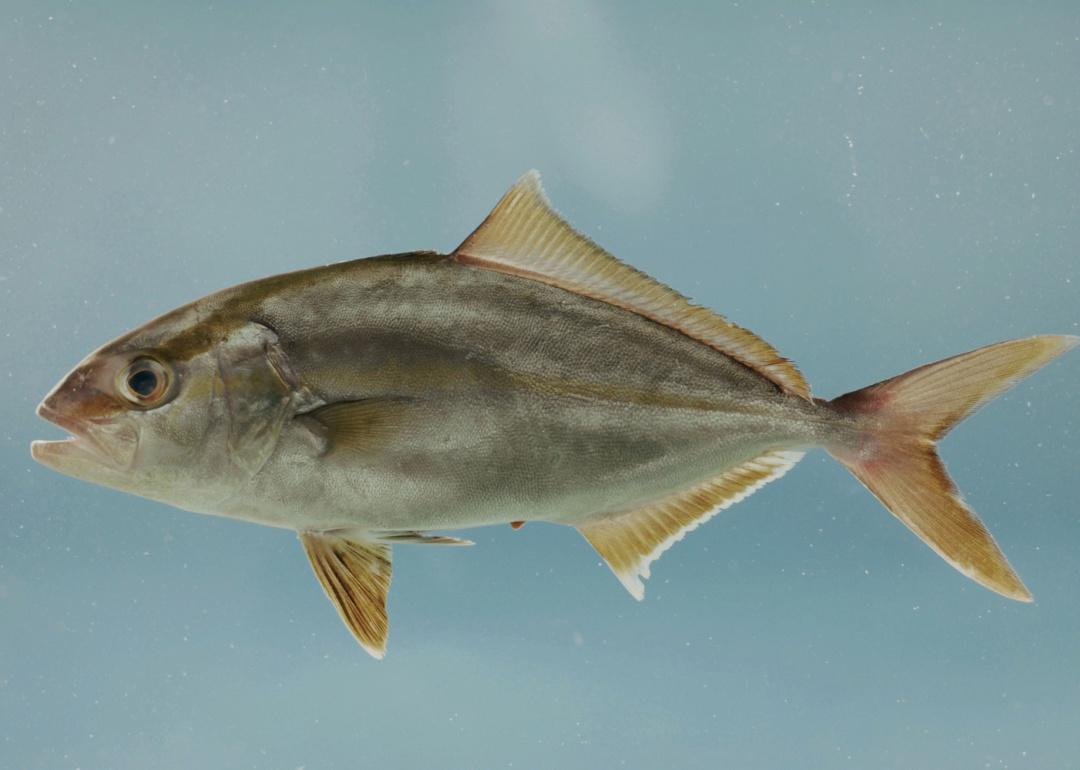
<point>890,447</point>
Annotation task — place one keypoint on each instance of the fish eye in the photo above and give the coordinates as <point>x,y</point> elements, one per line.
<point>144,382</point>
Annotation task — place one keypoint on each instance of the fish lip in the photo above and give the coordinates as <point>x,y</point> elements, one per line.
<point>72,426</point>
<point>41,449</point>
<point>81,438</point>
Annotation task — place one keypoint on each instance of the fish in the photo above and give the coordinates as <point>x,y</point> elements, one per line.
<point>528,375</point>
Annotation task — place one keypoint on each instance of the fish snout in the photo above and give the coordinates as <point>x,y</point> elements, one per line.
<point>91,417</point>
<point>84,395</point>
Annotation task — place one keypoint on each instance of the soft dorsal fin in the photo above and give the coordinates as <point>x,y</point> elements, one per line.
<point>523,235</point>
<point>629,542</point>
<point>356,577</point>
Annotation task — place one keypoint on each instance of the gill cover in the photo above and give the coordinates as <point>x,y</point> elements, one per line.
<point>258,390</point>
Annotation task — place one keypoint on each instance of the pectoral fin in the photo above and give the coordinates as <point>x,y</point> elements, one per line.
<point>362,426</point>
<point>630,541</point>
<point>356,577</point>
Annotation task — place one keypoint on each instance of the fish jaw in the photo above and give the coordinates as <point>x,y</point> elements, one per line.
<point>92,450</point>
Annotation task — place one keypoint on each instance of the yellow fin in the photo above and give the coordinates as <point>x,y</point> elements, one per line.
<point>361,426</point>
<point>912,483</point>
<point>524,236</point>
<point>631,541</point>
<point>894,454</point>
<point>356,577</point>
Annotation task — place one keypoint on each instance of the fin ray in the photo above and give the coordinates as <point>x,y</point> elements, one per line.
<point>356,577</point>
<point>894,452</point>
<point>524,236</point>
<point>631,541</point>
<point>362,426</point>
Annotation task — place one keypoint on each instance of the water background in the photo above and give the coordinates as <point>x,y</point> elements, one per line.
<point>869,186</point>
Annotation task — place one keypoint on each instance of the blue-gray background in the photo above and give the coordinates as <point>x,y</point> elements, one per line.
<point>869,188</point>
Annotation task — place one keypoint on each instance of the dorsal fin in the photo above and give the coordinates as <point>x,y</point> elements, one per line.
<point>523,235</point>
<point>629,542</point>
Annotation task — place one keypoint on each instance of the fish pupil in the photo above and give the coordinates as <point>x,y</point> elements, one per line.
<point>143,383</point>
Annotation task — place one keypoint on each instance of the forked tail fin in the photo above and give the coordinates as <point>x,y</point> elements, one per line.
<point>890,447</point>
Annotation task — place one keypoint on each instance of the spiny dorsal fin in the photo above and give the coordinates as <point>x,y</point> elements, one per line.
<point>356,577</point>
<point>631,541</point>
<point>523,235</point>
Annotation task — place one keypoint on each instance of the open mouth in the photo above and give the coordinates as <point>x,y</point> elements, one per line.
<point>82,443</point>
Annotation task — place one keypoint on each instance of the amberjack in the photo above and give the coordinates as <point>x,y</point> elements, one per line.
<point>528,375</point>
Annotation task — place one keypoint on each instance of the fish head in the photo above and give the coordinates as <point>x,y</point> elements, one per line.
<point>181,410</point>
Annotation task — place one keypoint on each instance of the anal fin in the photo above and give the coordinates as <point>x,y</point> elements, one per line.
<point>356,577</point>
<point>630,541</point>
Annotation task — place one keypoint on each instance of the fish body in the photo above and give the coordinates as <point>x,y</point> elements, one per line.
<point>526,376</point>
<point>506,399</point>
